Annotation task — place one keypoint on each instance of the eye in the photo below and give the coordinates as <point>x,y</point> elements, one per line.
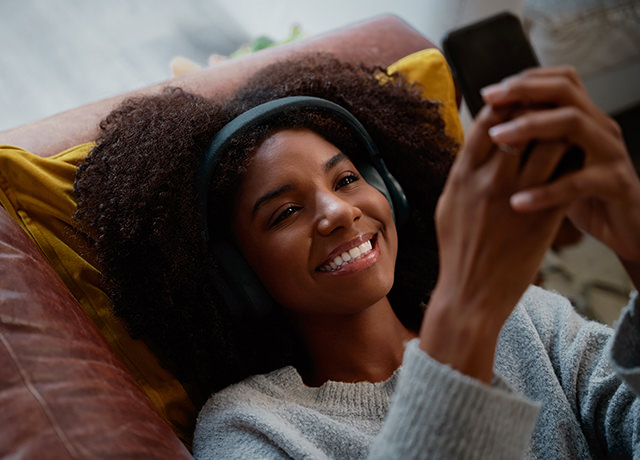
<point>346,180</point>
<point>285,213</point>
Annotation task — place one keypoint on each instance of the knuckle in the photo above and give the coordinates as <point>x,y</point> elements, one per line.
<point>457,178</point>
<point>620,176</point>
<point>489,189</point>
<point>570,71</point>
<point>526,123</point>
<point>569,89</point>
<point>615,128</point>
<point>573,117</point>
<point>573,186</point>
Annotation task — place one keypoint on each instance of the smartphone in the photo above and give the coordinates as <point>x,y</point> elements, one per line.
<point>485,52</point>
<point>488,51</point>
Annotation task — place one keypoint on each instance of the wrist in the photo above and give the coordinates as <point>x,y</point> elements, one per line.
<point>462,335</point>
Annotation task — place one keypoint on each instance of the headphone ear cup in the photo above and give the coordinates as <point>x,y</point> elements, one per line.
<point>399,198</point>
<point>242,291</point>
<point>379,177</point>
<point>373,177</point>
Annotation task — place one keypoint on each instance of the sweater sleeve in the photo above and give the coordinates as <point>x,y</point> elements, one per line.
<point>625,350</point>
<point>438,412</point>
<point>599,371</point>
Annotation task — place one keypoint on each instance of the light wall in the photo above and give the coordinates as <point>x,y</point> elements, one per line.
<point>432,18</point>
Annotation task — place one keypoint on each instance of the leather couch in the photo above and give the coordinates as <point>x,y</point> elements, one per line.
<point>63,391</point>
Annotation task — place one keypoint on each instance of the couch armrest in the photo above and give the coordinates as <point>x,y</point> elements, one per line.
<point>63,392</point>
<point>379,41</point>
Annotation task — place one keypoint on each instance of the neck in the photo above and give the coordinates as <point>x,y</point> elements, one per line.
<point>367,346</point>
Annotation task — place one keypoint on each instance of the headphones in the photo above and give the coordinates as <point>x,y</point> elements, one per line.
<point>242,291</point>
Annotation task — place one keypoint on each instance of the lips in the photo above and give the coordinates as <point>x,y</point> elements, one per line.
<point>348,253</point>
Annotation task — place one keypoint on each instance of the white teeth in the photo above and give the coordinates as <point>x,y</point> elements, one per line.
<point>347,257</point>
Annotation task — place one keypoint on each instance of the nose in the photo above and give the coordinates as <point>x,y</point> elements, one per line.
<point>334,213</point>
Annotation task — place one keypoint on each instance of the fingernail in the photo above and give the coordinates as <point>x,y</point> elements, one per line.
<point>506,148</point>
<point>521,199</point>
<point>502,132</point>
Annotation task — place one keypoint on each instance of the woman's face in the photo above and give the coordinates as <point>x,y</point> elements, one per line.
<point>320,238</point>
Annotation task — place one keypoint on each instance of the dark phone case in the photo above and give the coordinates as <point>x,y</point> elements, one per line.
<point>485,52</point>
<point>488,51</point>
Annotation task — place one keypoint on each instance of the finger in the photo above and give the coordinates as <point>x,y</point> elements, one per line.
<point>564,123</point>
<point>478,146</point>
<point>566,71</point>
<point>589,182</point>
<point>505,166</point>
<point>544,197</point>
<point>552,90</point>
<point>518,149</point>
<point>547,87</point>
<point>540,162</point>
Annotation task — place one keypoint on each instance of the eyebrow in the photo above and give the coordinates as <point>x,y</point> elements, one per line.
<point>270,196</point>
<point>330,164</point>
<point>333,161</point>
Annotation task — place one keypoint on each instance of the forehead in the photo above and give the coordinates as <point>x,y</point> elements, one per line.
<point>288,157</point>
<point>291,149</point>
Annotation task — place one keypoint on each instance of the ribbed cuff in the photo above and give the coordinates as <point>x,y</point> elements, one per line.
<point>438,412</point>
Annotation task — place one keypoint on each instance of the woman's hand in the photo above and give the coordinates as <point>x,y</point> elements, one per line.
<point>604,195</point>
<point>489,253</point>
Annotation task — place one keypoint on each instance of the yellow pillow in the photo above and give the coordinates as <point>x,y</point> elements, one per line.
<point>429,69</point>
<point>38,193</point>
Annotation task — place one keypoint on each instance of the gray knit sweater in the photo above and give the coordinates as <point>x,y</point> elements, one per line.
<point>556,394</point>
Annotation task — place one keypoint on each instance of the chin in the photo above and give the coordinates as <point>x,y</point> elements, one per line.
<point>363,297</point>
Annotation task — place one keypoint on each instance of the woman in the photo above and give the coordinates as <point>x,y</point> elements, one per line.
<point>289,197</point>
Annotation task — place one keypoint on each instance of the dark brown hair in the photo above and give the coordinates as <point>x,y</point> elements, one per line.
<point>136,198</point>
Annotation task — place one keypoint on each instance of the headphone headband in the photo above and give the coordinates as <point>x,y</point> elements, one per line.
<point>263,113</point>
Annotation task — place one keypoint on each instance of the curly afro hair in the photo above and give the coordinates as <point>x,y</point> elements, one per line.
<point>136,197</point>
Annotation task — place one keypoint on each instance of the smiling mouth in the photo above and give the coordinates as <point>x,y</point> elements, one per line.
<point>348,257</point>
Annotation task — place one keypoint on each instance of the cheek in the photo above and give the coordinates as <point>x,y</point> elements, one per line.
<point>281,266</point>
<point>379,208</point>
<point>381,211</point>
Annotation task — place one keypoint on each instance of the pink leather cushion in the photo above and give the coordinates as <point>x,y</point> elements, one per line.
<point>63,392</point>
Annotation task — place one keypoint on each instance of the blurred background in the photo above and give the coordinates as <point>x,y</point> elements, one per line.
<point>60,54</point>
